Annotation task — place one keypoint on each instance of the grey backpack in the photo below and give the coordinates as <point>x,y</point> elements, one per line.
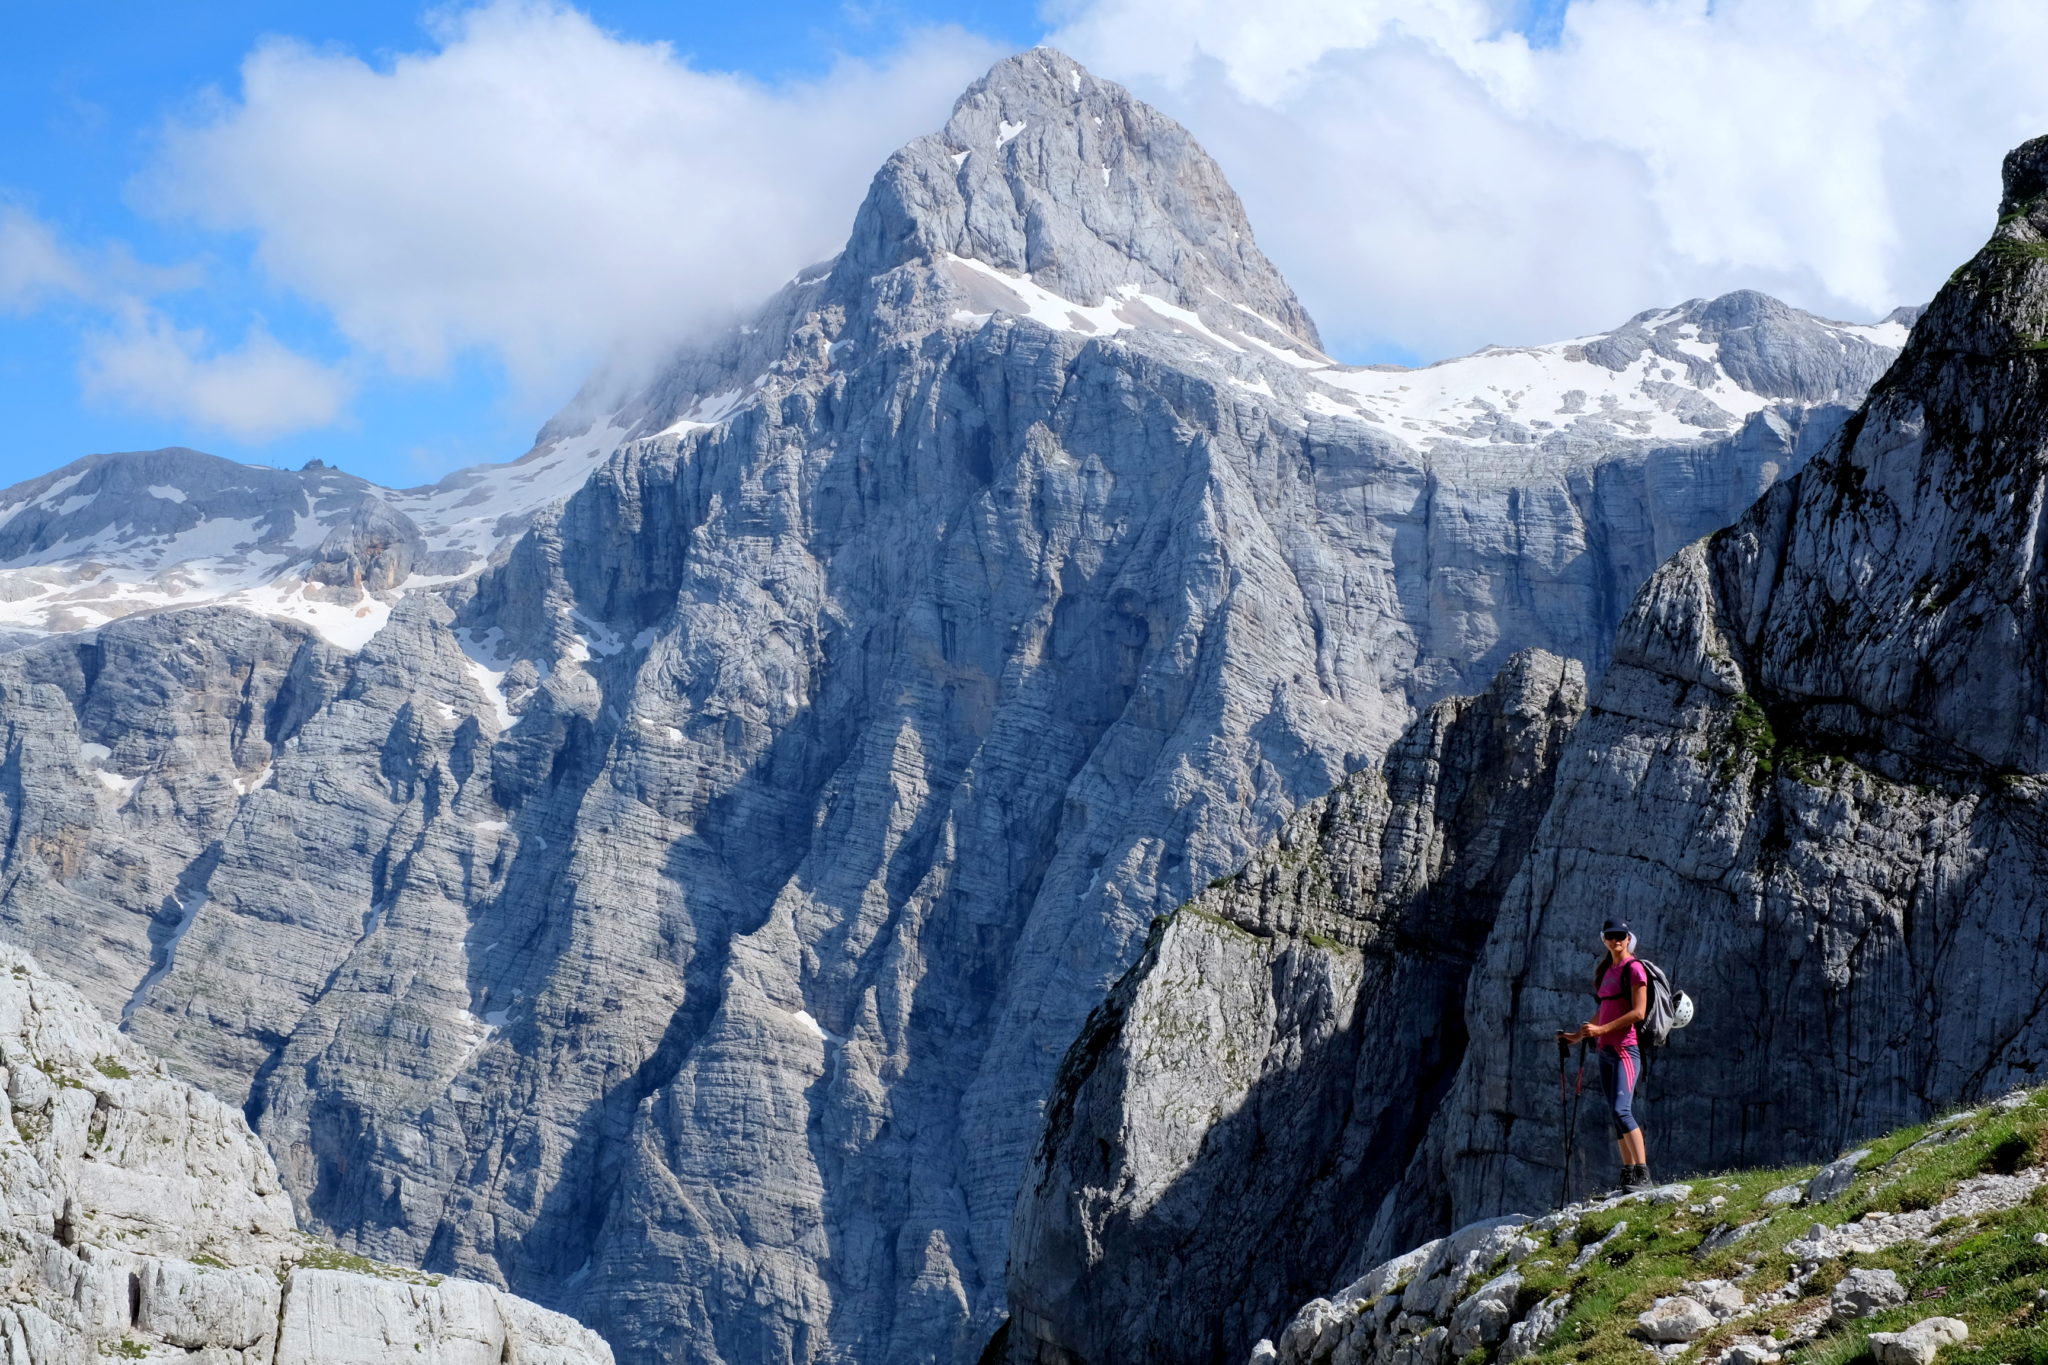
<point>1670,1009</point>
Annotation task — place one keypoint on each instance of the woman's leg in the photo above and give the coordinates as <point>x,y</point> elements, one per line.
<point>1629,1065</point>
<point>1618,1072</point>
<point>1614,1088</point>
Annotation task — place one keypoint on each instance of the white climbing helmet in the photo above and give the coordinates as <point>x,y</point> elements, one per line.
<point>1681,1010</point>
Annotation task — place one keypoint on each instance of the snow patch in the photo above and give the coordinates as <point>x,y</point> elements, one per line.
<point>121,786</point>
<point>166,492</point>
<point>816,1029</point>
<point>488,672</point>
<point>709,411</point>
<point>1007,130</point>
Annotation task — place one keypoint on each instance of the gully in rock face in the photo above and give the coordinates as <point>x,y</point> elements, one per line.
<point>1622,986</point>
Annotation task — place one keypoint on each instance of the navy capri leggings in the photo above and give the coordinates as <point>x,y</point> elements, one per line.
<point>1618,1073</point>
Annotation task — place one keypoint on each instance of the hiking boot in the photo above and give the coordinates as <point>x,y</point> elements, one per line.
<point>1635,1178</point>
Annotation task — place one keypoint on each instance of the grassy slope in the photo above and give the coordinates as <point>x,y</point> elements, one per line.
<point>1986,1271</point>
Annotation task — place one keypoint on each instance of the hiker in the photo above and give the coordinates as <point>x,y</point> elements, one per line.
<point>1623,988</point>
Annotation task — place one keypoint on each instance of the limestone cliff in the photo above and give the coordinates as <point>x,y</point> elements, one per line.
<point>1813,779</point>
<point>661,876</point>
<point>1267,1068</point>
<point>140,1218</point>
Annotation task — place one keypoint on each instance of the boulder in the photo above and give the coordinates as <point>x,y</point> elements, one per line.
<point>1835,1177</point>
<point>1442,1279</point>
<point>1864,1292</point>
<point>1483,1318</point>
<point>1918,1344</point>
<point>1724,1300</point>
<point>1529,1336</point>
<point>196,1306</point>
<point>1675,1318</point>
<point>1314,1331</point>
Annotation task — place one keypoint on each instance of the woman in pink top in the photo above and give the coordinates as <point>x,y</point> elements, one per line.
<point>1623,988</point>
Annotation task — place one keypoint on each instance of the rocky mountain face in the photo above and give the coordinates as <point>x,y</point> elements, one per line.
<point>140,1218</point>
<point>1812,779</point>
<point>1268,1066</point>
<point>661,876</point>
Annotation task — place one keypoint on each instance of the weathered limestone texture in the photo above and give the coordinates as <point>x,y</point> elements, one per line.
<point>1814,779</point>
<point>140,1217</point>
<point>1265,1071</point>
<point>679,920</point>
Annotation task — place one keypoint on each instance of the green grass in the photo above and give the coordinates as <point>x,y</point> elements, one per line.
<point>320,1256</point>
<point>1985,1271</point>
<point>112,1069</point>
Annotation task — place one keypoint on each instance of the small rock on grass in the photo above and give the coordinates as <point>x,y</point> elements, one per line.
<point>1726,1301</point>
<point>1835,1177</point>
<point>1679,1317</point>
<point>1917,1344</point>
<point>1749,1353</point>
<point>1784,1194</point>
<point>1864,1292</point>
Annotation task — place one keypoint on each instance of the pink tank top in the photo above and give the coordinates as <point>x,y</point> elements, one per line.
<point>1617,997</point>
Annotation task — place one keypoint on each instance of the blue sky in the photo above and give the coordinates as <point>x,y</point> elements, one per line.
<point>398,240</point>
<point>85,87</point>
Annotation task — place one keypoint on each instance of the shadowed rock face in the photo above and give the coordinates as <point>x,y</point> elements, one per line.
<point>681,921</point>
<point>1267,1069</point>
<point>1812,779</point>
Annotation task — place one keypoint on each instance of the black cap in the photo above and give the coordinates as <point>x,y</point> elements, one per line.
<point>1613,927</point>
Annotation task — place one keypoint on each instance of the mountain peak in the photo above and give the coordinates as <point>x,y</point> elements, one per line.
<point>1047,171</point>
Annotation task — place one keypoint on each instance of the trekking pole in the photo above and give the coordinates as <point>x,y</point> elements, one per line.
<point>1565,1122</point>
<point>1569,1093</point>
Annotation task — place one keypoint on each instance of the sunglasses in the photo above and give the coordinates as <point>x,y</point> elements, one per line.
<point>1615,938</point>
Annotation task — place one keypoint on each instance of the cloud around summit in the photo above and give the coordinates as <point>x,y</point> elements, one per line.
<point>1432,181</point>
<point>538,189</point>
<point>529,188</point>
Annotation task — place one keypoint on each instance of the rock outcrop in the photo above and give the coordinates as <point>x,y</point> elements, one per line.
<point>1813,779</point>
<point>1264,1073</point>
<point>141,1218</point>
<point>679,919</point>
<point>1616,1278</point>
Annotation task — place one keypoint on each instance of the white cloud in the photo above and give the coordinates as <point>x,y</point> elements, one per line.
<point>254,392</point>
<point>35,266</point>
<point>538,189</point>
<point>1429,181</point>
<point>139,358</point>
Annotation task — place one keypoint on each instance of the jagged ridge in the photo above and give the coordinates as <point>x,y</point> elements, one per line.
<point>1812,780</point>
